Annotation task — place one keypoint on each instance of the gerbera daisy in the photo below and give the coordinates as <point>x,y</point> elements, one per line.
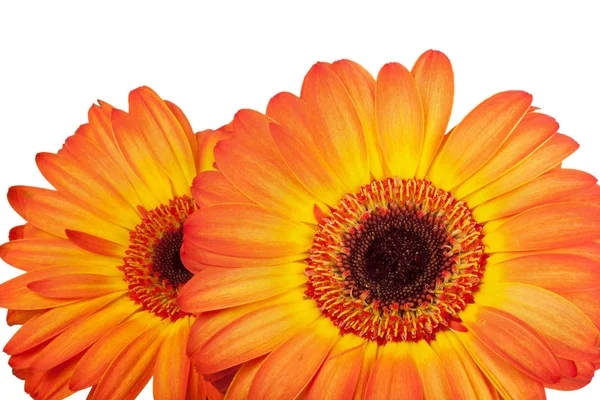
<point>102,258</point>
<point>347,247</point>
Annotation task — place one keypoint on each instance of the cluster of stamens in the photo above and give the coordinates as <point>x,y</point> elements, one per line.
<point>396,261</point>
<point>152,265</point>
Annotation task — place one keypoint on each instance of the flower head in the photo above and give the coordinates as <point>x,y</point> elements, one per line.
<point>101,255</point>
<point>348,247</point>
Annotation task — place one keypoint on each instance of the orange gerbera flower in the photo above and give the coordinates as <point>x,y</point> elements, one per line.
<point>375,257</point>
<point>102,255</point>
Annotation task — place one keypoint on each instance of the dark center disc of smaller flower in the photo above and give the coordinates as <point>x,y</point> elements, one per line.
<point>397,256</point>
<point>166,259</point>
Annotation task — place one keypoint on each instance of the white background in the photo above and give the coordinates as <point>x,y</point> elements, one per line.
<point>57,58</point>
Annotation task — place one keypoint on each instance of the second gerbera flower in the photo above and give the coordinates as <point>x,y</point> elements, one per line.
<point>373,255</point>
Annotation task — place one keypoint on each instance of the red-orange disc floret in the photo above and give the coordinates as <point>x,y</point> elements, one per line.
<point>396,261</point>
<point>160,231</point>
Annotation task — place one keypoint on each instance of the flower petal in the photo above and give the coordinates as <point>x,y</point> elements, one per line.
<point>435,80</point>
<point>567,330</point>
<point>83,333</point>
<point>546,227</point>
<point>394,372</point>
<point>336,125</point>
<point>216,288</point>
<point>509,381</point>
<point>514,341</point>
<point>555,272</point>
<point>478,137</point>
<point>240,386</point>
<point>211,187</point>
<point>252,152</point>
<point>548,188</point>
<point>172,366</point>
<point>187,128</point>
<point>78,286</point>
<point>587,301</point>
<point>431,370</point>
<point>369,359</point>
<point>400,122</point>
<point>338,376</point>
<point>133,367</point>
<point>527,136</point>
<point>546,157</point>
<point>290,367</point>
<point>361,87</point>
<point>246,230</point>
<point>207,140</point>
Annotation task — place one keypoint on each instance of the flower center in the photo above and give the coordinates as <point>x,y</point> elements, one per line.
<point>396,261</point>
<point>152,264</point>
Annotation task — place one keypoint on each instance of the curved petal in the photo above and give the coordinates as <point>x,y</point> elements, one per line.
<point>246,230</point>
<point>206,141</point>
<point>338,376</point>
<point>240,386</point>
<point>567,330</point>
<point>514,341</point>
<point>216,288</point>
<point>545,158</point>
<point>78,286</point>
<point>478,137</point>
<point>361,87</point>
<point>546,227</point>
<point>527,136</point>
<point>187,128</point>
<point>394,372</point>
<point>431,370</point>
<point>400,121</point>
<point>548,188</point>
<point>291,366</point>
<point>211,187</point>
<point>366,368</point>
<point>555,272</point>
<point>587,301</point>
<point>336,126</point>
<point>252,152</point>
<point>435,80</point>
<point>172,367</point>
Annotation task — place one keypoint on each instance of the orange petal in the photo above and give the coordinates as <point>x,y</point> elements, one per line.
<point>255,334</point>
<point>29,254</point>
<point>78,286</point>
<point>207,140</point>
<point>435,80</point>
<point>590,250</point>
<point>509,381</point>
<point>544,159</point>
<point>400,120</point>
<point>133,367</point>
<point>215,288</point>
<point>308,167</point>
<point>211,187</point>
<point>289,368</point>
<point>99,356</point>
<point>137,152</point>
<point>555,272</point>
<point>478,137</point>
<point>96,245</point>
<point>369,359</point>
<point>338,376</point>
<point>431,370</point>
<point>28,231</point>
<point>16,295</point>
<point>336,125</point>
<point>361,87</point>
<point>56,383</point>
<point>208,258</point>
<point>83,333</point>
<point>585,373</point>
<point>86,189</point>
<point>19,317</point>
<point>514,341</point>
<point>187,129</point>
<point>394,372</point>
<point>196,388</point>
<point>567,330</point>
<point>168,141</point>
<point>54,321</point>
<point>548,188</point>
<point>49,211</point>
<point>546,227</point>
<point>587,301</point>
<point>464,376</point>
<point>253,153</point>
<point>240,386</point>
<point>247,230</point>
<point>172,367</point>
<point>528,135</point>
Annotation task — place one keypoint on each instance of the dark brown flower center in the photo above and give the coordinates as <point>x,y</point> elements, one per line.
<point>166,260</point>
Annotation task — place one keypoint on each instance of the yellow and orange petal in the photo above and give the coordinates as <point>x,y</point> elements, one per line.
<point>464,262</point>
<point>101,255</point>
